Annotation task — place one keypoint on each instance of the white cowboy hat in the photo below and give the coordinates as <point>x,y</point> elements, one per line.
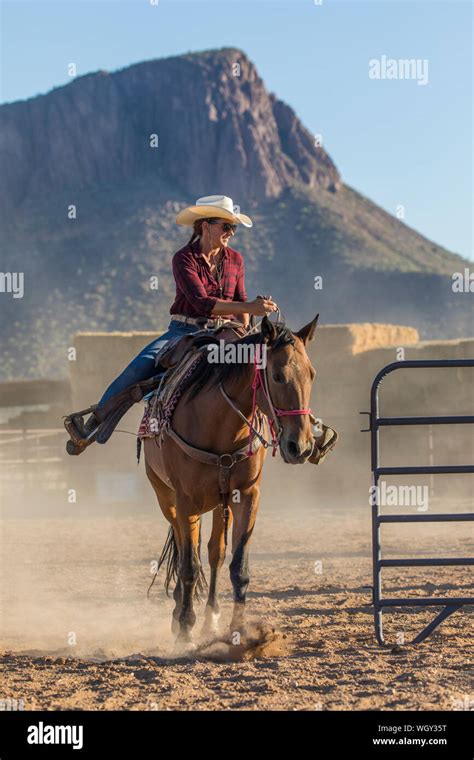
<point>212,206</point>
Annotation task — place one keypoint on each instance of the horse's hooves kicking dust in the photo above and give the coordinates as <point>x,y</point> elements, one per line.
<point>260,640</point>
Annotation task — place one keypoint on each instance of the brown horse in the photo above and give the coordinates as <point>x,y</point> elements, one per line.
<point>207,417</point>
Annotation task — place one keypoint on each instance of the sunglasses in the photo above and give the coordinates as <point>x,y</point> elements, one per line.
<point>226,226</point>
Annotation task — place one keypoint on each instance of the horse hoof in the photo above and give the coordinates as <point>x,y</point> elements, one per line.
<point>184,644</point>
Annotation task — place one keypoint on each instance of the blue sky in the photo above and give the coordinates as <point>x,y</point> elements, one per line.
<point>397,142</point>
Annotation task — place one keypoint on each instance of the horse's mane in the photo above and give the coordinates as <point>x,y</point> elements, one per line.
<point>209,374</point>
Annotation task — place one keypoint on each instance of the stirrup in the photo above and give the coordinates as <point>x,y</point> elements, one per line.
<point>78,430</point>
<point>323,445</point>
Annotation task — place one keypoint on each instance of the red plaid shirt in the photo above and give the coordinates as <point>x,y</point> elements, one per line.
<point>197,290</point>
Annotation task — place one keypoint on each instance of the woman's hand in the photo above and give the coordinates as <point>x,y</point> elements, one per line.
<point>261,306</point>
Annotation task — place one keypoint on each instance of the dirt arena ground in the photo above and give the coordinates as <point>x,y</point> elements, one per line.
<point>78,632</point>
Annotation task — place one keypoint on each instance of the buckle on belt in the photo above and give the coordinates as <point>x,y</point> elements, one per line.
<point>206,323</point>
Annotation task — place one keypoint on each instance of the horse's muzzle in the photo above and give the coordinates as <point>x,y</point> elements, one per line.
<point>293,453</point>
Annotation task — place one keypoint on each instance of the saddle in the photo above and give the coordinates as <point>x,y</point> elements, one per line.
<point>180,361</point>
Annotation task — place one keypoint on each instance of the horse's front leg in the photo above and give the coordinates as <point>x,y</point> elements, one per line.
<point>245,515</point>
<point>189,569</point>
<point>216,549</point>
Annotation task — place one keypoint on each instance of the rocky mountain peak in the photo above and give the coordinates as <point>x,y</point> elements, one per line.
<point>217,129</point>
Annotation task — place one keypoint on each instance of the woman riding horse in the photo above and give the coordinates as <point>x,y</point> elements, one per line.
<point>197,465</point>
<point>209,277</point>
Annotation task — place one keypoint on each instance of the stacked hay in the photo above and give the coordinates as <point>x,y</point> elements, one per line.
<point>351,339</point>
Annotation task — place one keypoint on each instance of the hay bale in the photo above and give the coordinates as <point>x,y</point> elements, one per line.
<point>339,342</point>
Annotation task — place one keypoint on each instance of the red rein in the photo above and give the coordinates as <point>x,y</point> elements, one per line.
<point>256,384</point>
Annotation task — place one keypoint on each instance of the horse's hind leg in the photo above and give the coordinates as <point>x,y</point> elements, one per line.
<point>216,549</point>
<point>189,572</point>
<point>167,500</point>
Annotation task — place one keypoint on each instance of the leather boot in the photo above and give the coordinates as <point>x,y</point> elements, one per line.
<point>323,444</point>
<point>107,416</point>
<point>81,437</point>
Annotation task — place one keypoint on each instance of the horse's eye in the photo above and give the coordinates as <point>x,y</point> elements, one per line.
<point>278,377</point>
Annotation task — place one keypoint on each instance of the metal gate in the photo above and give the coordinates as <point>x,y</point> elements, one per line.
<point>449,605</point>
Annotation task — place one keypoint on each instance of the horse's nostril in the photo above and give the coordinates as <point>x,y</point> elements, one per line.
<point>297,451</point>
<point>293,449</point>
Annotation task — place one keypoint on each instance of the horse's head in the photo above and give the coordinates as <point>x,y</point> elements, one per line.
<point>290,379</point>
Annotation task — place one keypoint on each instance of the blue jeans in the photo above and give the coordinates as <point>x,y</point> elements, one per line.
<point>143,366</point>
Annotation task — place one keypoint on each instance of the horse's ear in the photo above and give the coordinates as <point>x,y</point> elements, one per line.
<point>307,332</point>
<point>269,331</point>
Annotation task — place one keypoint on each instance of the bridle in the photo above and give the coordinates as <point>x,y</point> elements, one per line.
<point>260,382</point>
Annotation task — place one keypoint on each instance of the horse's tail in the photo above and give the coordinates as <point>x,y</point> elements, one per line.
<point>170,556</point>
